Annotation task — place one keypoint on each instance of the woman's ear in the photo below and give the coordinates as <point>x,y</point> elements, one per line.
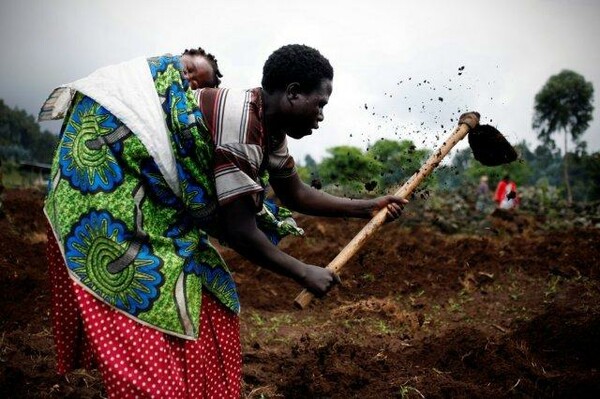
<point>292,91</point>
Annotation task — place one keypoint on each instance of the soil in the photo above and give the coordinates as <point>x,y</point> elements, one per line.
<point>510,308</point>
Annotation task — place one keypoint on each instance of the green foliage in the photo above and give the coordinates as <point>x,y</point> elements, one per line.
<point>448,178</point>
<point>310,170</point>
<point>310,164</point>
<point>304,173</point>
<point>585,175</point>
<point>564,103</point>
<point>21,138</point>
<point>348,167</point>
<point>542,198</point>
<point>592,166</point>
<point>451,177</point>
<point>348,170</point>
<point>545,163</point>
<point>11,175</point>
<point>389,163</point>
<point>465,169</point>
<point>13,152</point>
<point>399,161</point>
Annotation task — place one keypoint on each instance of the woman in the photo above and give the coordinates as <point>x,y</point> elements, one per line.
<point>483,198</point>
<point>505,195</point>
<point>141,177</point>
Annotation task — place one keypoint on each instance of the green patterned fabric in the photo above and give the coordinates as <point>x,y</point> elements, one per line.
<point>125,235</point>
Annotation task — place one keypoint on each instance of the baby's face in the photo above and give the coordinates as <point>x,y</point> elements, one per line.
<point>198,71</point>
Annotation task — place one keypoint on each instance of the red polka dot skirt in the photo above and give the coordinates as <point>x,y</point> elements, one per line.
<point>137,361</point>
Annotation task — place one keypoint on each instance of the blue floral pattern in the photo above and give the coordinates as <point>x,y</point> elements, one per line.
<point>161,64</point>
<point>202,260</point>
<point>276,222</point>
<point>158,187</point>
<point>90,168</point>
<point>194,194</point>
<point>97,240</point>
<point>172,87</point>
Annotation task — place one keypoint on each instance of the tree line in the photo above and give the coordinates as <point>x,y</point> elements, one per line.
<point>387,164</point>
<point>21,138</point>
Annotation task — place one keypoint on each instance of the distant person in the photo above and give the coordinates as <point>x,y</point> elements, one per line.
<point>506,194</point>
<point>145,171</point>
<point>483,195</point>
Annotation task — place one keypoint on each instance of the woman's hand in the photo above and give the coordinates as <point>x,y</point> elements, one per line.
<point>318,280</point>
<point>392,203</point>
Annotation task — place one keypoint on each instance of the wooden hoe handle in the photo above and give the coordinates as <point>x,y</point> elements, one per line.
<point>304,298</point>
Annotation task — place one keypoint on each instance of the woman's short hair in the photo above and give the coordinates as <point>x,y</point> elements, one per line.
<point>295,63</point>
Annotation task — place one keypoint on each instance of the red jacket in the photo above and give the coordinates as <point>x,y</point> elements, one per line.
<point>500,194</point>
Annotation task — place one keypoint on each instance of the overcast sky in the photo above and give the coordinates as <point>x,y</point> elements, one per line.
<point>396,63</point>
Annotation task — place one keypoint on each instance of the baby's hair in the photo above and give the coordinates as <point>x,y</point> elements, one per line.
<point>210,58</point>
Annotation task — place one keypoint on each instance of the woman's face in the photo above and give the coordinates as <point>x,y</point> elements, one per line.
<point>198,71</point>
<point>305,110</point>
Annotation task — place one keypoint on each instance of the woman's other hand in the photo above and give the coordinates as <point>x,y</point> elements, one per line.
<point>319,280</point>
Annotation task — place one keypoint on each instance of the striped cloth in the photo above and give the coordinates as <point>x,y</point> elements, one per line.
<point>244,152</point>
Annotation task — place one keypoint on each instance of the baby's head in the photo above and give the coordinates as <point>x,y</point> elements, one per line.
<point>200,68</point>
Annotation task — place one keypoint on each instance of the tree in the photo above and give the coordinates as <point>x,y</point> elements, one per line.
<point>593,168</point>
<point>546,164</point>
<point>399,160</point>
<point>21,138</point>
<point>564,104</point>
<point>585,170</point>
<point>349,168</point>
<point>311,166</point>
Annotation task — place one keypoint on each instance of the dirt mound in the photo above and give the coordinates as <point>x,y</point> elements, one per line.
<point>502,307</point>
<point>22,264</point>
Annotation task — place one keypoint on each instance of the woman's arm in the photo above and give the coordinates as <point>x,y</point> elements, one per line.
<point>300,197</point>
<point>242,234</point>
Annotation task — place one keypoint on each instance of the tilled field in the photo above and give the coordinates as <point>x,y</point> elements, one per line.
<point>511,309</point>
